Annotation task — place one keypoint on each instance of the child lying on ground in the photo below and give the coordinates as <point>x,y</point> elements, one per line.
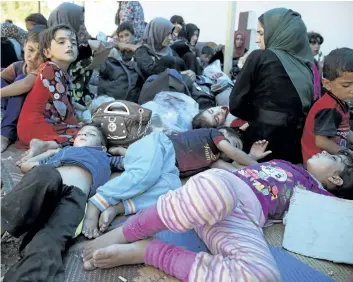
<point>327,125</point>
<point>228,211</point>
<point>47,113</point>
<point>16,80</point>
<point>153,165</point>
<point>49,203</point>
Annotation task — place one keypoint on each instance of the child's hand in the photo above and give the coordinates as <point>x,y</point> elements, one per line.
<point>258,150</point>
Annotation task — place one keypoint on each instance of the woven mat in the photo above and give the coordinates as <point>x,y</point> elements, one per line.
<point>11,174</point>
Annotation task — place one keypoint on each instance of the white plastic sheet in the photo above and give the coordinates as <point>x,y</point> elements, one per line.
<point>172,112</point>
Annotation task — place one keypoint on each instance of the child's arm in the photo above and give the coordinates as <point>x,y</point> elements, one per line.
<point>326,144</point>
<point>235,154</point>
<point>19,87</point>
<point>33,162</point>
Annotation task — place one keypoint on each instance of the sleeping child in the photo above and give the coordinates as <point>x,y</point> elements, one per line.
<point>16,81</point>
<point>153,165</point>
<point>49,203</point>
<point>47,120</point>
<point>228,211</point>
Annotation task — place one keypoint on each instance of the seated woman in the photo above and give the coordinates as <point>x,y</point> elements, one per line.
<point>185,47</point>
<point>34,20</point>
<point>228,211</point>
<point>274,90</point>
<point>155,56</point>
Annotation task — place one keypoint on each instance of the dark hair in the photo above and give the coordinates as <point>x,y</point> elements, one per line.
<point>207,50</point>
<point>314,36</point>
<point>37,19</point>
<point>8,21</point>
<point>100,130</point>
<point>346,190</point>
<point>125,26</point>
<point>261,19</point>
<point>177,19</point>
<point>235,131</point>
<point>199,121</point>
<point>34,34</point>
<point>337,62</point>
<point>49,34</point>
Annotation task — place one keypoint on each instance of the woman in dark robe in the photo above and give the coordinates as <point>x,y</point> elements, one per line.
<point>274,90</point>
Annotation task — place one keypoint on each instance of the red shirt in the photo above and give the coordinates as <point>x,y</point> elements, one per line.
<point>328,117</point>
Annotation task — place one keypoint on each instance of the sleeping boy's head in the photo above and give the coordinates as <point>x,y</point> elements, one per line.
<point>335,172</point>
<point>210,118</point>
<point>59,44</point>
<point>33,57</point>
<point>90,135</point>
<point>233,136</point>
<point>338,73</point>
<point>207,53</point>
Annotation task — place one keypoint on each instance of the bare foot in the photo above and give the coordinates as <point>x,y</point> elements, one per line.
<point>118,254</point>
<point>108,216</point>
<point>5,142</point>
<point>116,236</point>
<point>90,223</point>
<point>37,147</point>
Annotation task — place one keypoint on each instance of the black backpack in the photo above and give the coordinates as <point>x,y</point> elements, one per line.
<point>119,80</point>
<point>169,80</point>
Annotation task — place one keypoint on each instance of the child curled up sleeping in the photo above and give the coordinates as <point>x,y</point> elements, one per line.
<point>228,211</point>
<point>153,166</point>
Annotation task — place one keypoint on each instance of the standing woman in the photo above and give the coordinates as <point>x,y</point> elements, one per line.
<point>131,12</point>
<point>74,16</point>
<point>274,90</point>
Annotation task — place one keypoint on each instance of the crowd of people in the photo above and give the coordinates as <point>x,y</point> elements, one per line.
<point>286,126</point>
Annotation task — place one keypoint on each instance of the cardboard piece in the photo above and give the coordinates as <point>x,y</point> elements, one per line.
<point>99,59</point>
<point>319,226</point>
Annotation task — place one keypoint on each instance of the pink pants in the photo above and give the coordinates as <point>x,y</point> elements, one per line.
<point>225,214</point>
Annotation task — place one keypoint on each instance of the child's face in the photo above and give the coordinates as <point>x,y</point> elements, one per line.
<point>33,57</point>
<point>205,58</point>
<point>341,87</point>
<point>88,136</point>
<point>216,116</point>
<point>234,141</point>
<point>125,36</point>
<point>63,47</point>
<point>327,168</point>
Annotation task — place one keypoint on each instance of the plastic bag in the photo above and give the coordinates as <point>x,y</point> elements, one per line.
<point>172,112</point>
<point>97,102</point>
<point>214,72</point>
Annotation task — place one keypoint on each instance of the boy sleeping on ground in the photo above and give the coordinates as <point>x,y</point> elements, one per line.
<point>49,203</point>
<point>153,166</point>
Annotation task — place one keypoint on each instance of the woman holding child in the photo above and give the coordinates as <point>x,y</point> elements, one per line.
<point>274,90</point>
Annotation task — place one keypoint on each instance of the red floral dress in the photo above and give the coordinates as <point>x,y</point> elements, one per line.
<point>47,113</point>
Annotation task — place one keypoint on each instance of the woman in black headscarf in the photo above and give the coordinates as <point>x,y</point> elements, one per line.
<point>185,47</point>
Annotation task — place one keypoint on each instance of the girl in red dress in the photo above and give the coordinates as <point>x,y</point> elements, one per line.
<point>47,120</point>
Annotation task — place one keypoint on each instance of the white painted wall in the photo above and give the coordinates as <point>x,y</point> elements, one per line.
<point>333,19</point>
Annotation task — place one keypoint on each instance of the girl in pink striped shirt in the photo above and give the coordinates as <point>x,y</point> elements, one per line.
<point>228,211</point>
